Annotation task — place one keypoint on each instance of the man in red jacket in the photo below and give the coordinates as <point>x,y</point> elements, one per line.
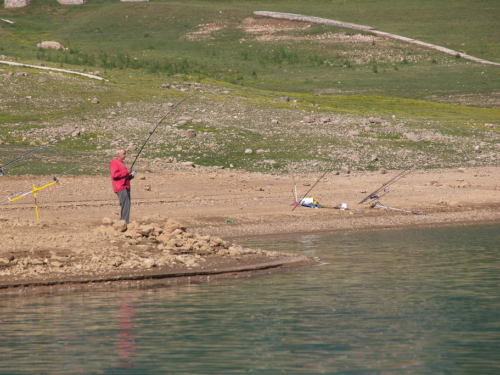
<point>120,178</point>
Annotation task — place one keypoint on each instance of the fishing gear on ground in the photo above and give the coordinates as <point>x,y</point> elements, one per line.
<point>380,205</point>
<point>297,202</point>
<point>373,199</point>
<point>384,189</point>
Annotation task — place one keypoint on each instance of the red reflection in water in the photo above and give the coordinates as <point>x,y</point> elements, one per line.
<point>125,343</point>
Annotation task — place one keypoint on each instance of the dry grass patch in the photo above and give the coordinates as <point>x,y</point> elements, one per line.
<point>204,32</point>
<point>265,26</point>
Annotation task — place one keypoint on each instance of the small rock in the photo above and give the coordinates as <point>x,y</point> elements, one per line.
<point>149,262</point>
<point>345,170</point>
<point>107,221</point>
<point>248,151</point>
<point>95,101</point>
<point>145,230</point>
<point>120,226</point>
<point>411,136</point>
<point>375,120</point>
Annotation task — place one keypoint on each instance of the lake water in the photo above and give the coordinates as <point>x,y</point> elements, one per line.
<point>389,302</point>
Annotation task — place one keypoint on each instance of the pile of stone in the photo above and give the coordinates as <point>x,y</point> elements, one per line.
<point>116,247</point>
<point>172,239</point>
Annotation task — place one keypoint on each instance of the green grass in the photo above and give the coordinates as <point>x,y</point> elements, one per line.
<point>138,47</point>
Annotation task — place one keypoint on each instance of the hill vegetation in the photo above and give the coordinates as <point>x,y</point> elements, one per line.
<point>300,93</point>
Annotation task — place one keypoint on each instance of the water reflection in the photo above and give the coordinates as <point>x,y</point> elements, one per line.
<point>398,302</point>
<point>125,343</point>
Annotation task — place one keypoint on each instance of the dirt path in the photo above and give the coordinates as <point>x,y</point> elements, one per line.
<point>93,76</point>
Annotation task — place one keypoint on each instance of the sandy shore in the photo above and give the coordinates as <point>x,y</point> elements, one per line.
<point>71,228</point>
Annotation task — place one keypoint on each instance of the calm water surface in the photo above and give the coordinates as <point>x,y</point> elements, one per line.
<point>389,302</point>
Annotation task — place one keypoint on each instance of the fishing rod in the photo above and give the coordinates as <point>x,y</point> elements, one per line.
<point>375,194</point>
<point>41,185</point>
<point>2,168</point>
<point>158,124</point>
<point>312,187</point>
<point>380,205</point>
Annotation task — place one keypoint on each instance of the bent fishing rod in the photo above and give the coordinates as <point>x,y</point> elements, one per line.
<point>375,194</point>
<point>312,187</point>
<point>3,167</point>
<point>158,124</point>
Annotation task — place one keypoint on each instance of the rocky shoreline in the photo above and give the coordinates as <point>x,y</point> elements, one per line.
<point>116,252</point>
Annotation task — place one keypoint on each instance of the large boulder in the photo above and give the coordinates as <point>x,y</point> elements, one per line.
<point>50,44</point>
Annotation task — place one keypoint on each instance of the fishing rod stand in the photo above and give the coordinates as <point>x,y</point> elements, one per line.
<point>34,192</point>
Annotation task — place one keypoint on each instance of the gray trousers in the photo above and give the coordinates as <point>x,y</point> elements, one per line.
<point>124,198</point>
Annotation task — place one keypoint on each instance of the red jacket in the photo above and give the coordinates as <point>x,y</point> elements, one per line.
<point>119,175</point>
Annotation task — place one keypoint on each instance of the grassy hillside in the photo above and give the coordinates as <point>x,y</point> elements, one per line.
<point>436,108</point>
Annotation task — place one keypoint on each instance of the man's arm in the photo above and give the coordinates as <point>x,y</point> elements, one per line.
<point>117,170</point>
